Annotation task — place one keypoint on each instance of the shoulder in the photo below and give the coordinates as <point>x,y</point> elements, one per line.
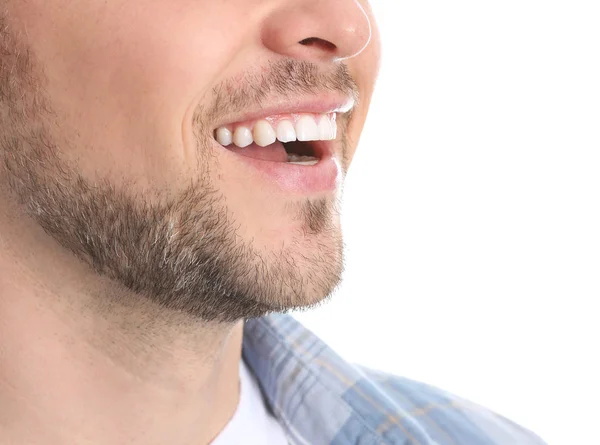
<point>438,416</point>
<point>320,398</point>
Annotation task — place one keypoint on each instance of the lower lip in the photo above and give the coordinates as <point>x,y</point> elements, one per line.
<point>324,176</point>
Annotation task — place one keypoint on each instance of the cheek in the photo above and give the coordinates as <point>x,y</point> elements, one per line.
<point>364,69</point>
<point>122,76</point>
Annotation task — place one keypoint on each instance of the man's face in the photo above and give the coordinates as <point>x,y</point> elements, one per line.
<point>110,115</point>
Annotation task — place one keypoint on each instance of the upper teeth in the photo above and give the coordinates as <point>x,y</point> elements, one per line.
<point>303,127</point>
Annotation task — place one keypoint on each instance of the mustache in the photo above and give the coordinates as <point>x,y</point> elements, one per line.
<point>278,80</point>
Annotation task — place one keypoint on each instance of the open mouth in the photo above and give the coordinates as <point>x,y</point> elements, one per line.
<point>298,138</point>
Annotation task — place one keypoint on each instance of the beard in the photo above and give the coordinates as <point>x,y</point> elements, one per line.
<point>179,251</point>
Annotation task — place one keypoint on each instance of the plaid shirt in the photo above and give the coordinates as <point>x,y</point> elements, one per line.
<point>319,398</point>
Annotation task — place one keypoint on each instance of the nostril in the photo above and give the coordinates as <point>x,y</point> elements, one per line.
<point>319,43</point>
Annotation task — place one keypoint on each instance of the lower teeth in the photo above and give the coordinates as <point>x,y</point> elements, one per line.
<point>303,163</point>
<point>302,160</point>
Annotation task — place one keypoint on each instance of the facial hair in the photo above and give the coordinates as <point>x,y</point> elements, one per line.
<point>180,252</point>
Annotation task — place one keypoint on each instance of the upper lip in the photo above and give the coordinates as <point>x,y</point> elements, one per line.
<point>316,104</point>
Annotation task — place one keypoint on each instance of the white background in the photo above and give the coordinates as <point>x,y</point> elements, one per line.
<point>471,211</point>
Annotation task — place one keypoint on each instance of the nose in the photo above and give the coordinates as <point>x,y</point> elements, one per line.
<point>317,30</point>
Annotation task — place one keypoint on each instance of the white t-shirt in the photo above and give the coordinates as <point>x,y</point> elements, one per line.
<point>252,423</point>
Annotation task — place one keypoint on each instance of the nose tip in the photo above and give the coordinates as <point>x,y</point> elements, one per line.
<point>318,30</point>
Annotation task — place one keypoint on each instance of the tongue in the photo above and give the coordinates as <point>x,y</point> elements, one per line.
<point>274,152</point>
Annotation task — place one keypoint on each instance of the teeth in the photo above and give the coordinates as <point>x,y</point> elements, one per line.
<point>242,137</point>
<point>325,129</point>
<point>304,162</point>
<point>300,158</point>
<point>263,133</point>
<point>286,132</point>
<point>224,136</point>
<point>306,129</point>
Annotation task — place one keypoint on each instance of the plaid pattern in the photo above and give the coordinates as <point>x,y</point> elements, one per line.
<point>320,399</point>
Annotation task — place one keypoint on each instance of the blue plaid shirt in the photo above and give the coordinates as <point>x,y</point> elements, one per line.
<point>319,398</point>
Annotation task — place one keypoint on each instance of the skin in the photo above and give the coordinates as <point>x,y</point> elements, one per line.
<point>131,245</point>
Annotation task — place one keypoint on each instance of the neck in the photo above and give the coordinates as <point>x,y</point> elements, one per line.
<point>83,361</point>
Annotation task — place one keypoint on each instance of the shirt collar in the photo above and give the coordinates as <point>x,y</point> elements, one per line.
<point>303,381</point>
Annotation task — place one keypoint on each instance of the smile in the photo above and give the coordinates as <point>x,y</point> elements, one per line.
<point>280,138</point>
<point>296,150</point>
